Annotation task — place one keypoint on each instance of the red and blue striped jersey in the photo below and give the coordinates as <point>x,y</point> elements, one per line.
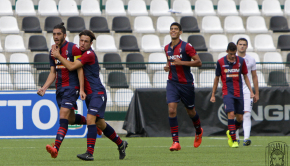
<point>231,76</point>
<point>64,77</point>
<point>179,73</point>
<point>91,68</point>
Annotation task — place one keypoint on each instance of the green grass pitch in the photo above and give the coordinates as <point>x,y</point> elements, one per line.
<point>141,151</point>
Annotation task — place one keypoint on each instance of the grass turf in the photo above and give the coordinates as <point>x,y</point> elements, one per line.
<point>141,151</point>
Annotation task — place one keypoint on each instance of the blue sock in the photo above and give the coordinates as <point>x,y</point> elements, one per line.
<point>196,123</point>
<point>91,138</point>
<point>61,132</point>
<point>232,128</point>
<point>174,128</point>
<point>111,134</point>
<point>80,119</point>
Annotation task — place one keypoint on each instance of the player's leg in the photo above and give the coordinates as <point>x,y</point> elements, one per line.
<point>229,109</point>
<point>239,111</point>
<point>247,123</point>
<point>74,118</point>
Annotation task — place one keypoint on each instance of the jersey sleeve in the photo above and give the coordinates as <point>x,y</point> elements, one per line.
<point>87,58</point>
<point>190,51</point>
<point>218,69</point>
<point>51,60</point>
<point>244,68</point>
<point>76,51</point>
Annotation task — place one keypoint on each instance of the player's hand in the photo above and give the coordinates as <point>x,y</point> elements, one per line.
<point>166,68</point>
<point>83,95</point>
<point>55,51</point>
<point>41,91</point>
<point>212,99</point>
<point>256,98</point>
<point>252,95</point>
<point>177,61</point>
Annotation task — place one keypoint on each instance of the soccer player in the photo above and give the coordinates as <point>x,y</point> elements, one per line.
<point>68,87</point>
<point>96,98</point>
<point>242,45</point>
<point>180,83</point>
<point>231,68</point>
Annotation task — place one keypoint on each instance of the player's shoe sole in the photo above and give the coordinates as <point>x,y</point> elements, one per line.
<point>86,156</point>
<point>198,139</point>
<point>235,145</point>
<point>122,150</point>
<point>53,151</point>
<point>175,146</point>
<point>230,141</point>
<point>247,142</point>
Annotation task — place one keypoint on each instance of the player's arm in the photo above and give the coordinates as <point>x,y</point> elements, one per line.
<point>214,88</point>
<point>82,83</point>
<point>195,63</point>
<point>166,68</point>
<point>51,77</point>
<point>248,85</point>
<point>256,85</point>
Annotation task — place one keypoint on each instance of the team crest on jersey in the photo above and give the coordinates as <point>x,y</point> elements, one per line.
<point>66,52</point>
<point>180,49</point>
<point>239,64</point>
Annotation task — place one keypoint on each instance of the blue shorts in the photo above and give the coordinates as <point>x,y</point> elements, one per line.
<point>67,97</point>
<point>234,104</point>
<point>96,104</point>
<point>184,92</point>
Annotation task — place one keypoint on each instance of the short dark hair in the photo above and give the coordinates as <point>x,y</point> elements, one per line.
<point>242,39</point>
<point>61,27</point>
<point>88,33</point>
<point>231,47</point>
<point>177,24</point>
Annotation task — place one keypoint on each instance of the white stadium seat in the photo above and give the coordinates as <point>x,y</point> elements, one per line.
<point>19,58</point>
<point>234,24</point>
<point>106,43</point>
<point>77,41</point>
<point>261,79</point>
<point>222,54</point>
<point>25,8</point>
<point>273,57</point>
<point>264,42</point>
<point>1,49</point>
<point>227,8</point>
<point>90,8</point>
<point>5,8</point>
<point>154,58</point>
<point>183,7</point>
<point>52,41</point>
<point>140,79</point>
<point>236,38</point>
<point>287,7</point>
<point>47,8</point>
<point>137,8</point>
<point>151,43</point>
<point>163,24</point>
<point>211,24</point>
<point>206,79</point>
<point>68,8</point>
<point>24,80</point>
<point>256,24</point>
<point>143,24</point>
<point>271,8</point>
<point>109,99</point>
<point>8,24</point>
<point>14,43</point>
<point>5,81</point>
<point>218,42</point>
<point>115,8</point>
<point>249,8</point>
<point>204,8</point>
<point>159,8</point>
<point>160,79</point>
<point>123,97</point>
<point>3,67</point>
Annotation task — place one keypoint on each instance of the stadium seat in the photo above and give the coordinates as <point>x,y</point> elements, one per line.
<point>112,58</point>
<point>68,8</point>
<point>249,8</point>
<point>137,59</point>
<point>90,8</point>
<point>211,24</point>
<point>256,24</point>
<point>106,43</point>
<point>117,80</point>
<point>121,24</point>
<point>222,54</point>
<point>160,79</point>
<point>37,43</point>
<point>271,8</point>
<point>99,25</point>
<point>151,43</point>
<point>6,8</point>
<point>123,97</point>
<point>137,8</point>
<point>19,58</point>
<point>31,24</point>
<point>287,7</point>
<point>50,22</point>
<point>8,24</point>
<point>227,8</point>
<point>277,78</point>
<point>102,79</point>
<point>143,24</point>
<point>109,99</point>
<point>238,36</point>
<point>279,24</point>
<point>24,80</point>
<point>3,67</point>
<point>182,7</point>
<point>157,58</point>
<point>77,41</point>
<point>284,42</point>
<point>1,49</point>
<point>261,80</point>
<point>5,81</point>
<point>14,43</point>
<point>204,8</point>
<point>52,41</point>
<point>41,58</point>
<point>257,59</point>
<point>234,24</point>
<point>159,8</point>
<point>206,57</point>
<point>264,42</point>
<point>25,8</point>
<point>167,40</point>
<point>140,79</point>
<point>288,60</point>
<point>128,43</point>
<point>206,79</point>
<point>42,79</point>
<point>198,42</point>
<point>189,24</point>
<point>76,24</point>
<point>163,24</point>
<point>218,43</point>
<point>273,57</point>
<point>47,8</point>
<point>115,8</point>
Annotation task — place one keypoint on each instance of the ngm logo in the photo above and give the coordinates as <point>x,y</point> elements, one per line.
<point>174,57</point>
<point>232,70</point>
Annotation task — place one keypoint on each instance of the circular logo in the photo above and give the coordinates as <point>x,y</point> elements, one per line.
<point>66,52</point>
<point>222,115</point>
